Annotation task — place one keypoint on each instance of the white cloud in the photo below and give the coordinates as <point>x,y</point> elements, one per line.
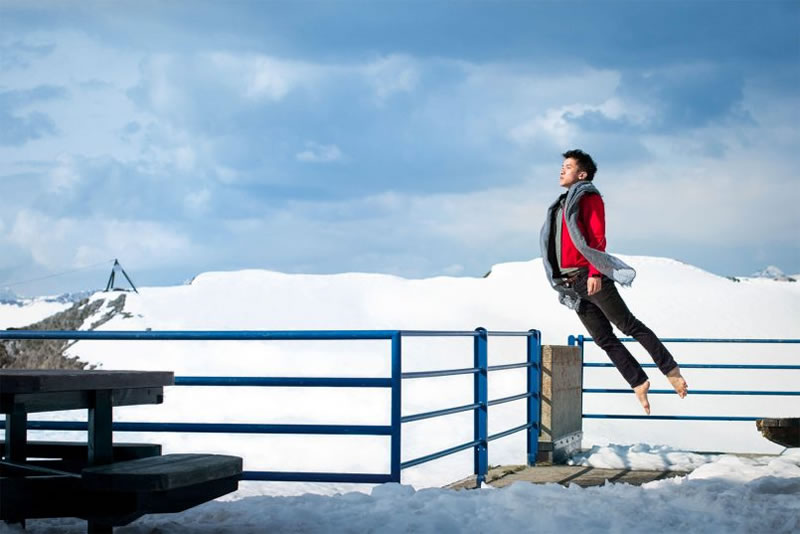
<point>317,153</point>
<point>258,76</point>
<point>554,127</point>
<point>197,201</point>
<point>66,242</point>
<point>392,74</point>
<point>226,175</point>
<point>64,177</point>
<point>693,199</point>
<point>453,270</point>
<point>184,158</point>
<point>550,127</point>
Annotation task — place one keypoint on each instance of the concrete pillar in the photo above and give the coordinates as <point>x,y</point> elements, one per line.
<point>562,421</point>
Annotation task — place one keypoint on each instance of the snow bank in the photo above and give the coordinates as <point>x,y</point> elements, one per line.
<point>642,457</point>
<point>730,495</point>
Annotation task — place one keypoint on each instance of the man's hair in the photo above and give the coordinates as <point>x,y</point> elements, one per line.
<point>585,162</point>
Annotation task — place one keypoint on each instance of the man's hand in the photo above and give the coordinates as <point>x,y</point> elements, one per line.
<point>593,285</point>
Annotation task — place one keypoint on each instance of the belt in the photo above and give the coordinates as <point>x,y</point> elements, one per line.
<point>570,279</point>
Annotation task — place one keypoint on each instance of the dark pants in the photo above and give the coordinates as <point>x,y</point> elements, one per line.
<point>599,311</point>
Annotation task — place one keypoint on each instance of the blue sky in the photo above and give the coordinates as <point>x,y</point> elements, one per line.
<point>413,138</point>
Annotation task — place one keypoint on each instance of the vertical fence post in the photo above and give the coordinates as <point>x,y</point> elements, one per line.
<point>580,344</point>
<point>397,369</point>
<point>534,389</point>
<point>481,397</point>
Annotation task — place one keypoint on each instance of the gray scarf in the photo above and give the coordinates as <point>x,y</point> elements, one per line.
<point>607,264</point>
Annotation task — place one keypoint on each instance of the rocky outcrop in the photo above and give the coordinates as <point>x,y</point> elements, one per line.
<point>49,353</point>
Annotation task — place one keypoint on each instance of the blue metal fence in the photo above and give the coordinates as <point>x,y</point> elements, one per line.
<point>479,406</point>
<point>580,340</point>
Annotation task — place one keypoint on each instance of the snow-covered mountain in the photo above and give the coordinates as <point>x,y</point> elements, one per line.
<point>8,296</point>
<point>773,273</point>
<point>16,311</point>
<point>673,298</point>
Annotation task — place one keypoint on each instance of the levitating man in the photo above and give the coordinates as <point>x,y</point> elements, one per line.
<point>573,243</point>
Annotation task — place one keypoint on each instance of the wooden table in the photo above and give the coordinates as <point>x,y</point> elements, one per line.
<point>24,391</point>
<point>27,391</point>
<point>105,483</point>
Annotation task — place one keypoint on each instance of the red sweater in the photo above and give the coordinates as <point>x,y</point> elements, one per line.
<point>592,224</point>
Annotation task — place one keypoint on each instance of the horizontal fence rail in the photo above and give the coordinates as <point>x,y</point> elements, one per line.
<point>222,428</point>
<point>479,407</point>
<point>707,366</point>
<point>702,340</point>
<point>268,381</point>
<point>201,335</point>
<point>697,392</point>
<point>580,340</point>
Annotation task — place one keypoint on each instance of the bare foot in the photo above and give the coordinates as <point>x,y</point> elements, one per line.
<point>678,382</point>
<point>641,394</point>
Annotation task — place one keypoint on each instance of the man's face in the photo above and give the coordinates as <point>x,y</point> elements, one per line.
<point>570,173</point>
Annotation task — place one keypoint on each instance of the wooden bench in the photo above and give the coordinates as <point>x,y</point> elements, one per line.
<point>116,494</point>
<point>161,473</point>
<point>161,484</point>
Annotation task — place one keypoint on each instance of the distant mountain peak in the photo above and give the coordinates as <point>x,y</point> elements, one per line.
<point>774,273</point>
<point>8,296</point>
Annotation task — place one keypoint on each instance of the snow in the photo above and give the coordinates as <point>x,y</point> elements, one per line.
<point>771,272</point>
<point>29,311</point>
<point>674,299</point>
<point>732,494</point>
<point>642,457</point>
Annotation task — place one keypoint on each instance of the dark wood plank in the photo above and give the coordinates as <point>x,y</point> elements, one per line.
<point>51,380</point>
<point>32,497</point>
<point>160,473</point>
<point>78,450</point>
<point>76,400</point>
<point>581,475</point>
<point>61,496</point>
<point>180,499</point>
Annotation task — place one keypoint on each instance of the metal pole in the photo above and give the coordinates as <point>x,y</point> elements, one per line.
<point>580,344</point>
<point>534,388</point>
<point>397,370</point>
<point>481,397</point>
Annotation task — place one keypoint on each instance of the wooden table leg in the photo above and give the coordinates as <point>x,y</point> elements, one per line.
<point>100,441</point>
<point>16,439</point>
<point>101,450</point>
<point>16,434</point>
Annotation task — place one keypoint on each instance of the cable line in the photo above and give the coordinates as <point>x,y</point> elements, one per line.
<point>57,274</point>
